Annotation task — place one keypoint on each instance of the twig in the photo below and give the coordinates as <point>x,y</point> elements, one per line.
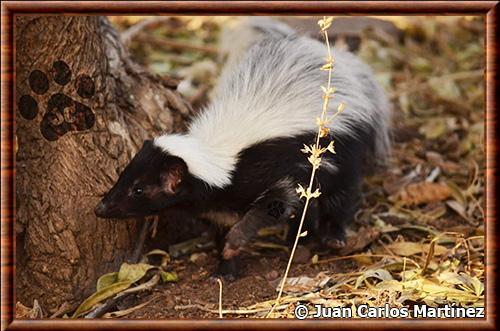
<point>200,243</point>
<point>106,307</point>
<point>123,312</point>
<point>172,44</point>
<point>154,227</point>
<point>361,255</point>
<point>220,297</point>
<point>315,151</point>
<point>143,287</point>
<point>64,308</point>
<point>136,255</point>
<point>227,311</point>
<point>131,32</point>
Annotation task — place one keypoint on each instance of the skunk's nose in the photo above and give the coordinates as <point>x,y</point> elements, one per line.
<point>100,209</point>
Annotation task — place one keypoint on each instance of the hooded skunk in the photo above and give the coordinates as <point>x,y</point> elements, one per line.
<point>241,154</point>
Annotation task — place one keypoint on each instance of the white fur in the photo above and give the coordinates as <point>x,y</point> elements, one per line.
<point>274,91</point>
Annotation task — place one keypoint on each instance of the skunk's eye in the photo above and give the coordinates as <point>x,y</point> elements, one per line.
<point>137,192</point>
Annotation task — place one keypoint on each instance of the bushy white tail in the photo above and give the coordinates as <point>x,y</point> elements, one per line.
<point>271,89</point>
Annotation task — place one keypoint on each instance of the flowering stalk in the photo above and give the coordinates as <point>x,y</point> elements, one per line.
<point>315,151</point>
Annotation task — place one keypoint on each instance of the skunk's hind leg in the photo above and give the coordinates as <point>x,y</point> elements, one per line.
<point>337,211</point>
<point>274,205</point>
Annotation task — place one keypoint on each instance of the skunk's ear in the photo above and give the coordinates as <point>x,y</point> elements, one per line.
<point>173,175</point>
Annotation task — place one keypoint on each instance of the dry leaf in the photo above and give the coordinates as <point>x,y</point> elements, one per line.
<point>306,284</point>
<point>360,240</point>
<point>406,248</point>
<point>423,192</point>
<point>380,274</point>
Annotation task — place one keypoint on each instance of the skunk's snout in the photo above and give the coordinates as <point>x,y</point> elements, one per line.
<point>108,209</point>
<point>101,209</point>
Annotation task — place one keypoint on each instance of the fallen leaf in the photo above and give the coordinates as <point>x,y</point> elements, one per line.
<point>101,295</point>
<point>460,210</point>
<point>106,280</point>
<point>445,88</point>
<point>360,240</point>
<point>422,192</point>
<point>168,276</point>
<point>406,248</point>
<point>306,284</point>
<point>24,312</point>
<point>132,272</point>
<point>106,287</point>
<point>380,274</point>
<point>434,128</point>
<point>165,258</point>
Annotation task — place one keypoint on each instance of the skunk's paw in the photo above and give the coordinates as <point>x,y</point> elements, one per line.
<point>228,270</point>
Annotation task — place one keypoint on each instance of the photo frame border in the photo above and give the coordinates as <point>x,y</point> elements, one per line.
<point>9,9</point>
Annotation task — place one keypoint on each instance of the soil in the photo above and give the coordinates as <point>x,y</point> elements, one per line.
<point>196,286</point>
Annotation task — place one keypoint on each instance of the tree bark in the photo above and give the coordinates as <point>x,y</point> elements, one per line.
<point>83,109</point>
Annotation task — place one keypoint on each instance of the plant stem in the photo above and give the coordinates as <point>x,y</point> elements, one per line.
<point>311,180</point>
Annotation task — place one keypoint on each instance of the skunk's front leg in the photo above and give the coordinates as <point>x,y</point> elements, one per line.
<point>275,204</point>
<point>240,234</point>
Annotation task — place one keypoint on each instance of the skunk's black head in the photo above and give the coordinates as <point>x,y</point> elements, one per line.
<point>152,181</point>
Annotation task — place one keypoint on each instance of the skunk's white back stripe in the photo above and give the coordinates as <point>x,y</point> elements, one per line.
<point>274,92</point>
<point>212,165</point>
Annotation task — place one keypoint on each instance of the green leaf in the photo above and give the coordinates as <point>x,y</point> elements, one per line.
<point>133,272</point>
<point>168,276</point>
<point>165,258</point>
<point>103,294</point>
<point>106,280</point>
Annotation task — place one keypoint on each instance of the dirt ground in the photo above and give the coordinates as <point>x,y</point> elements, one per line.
<point>195,288</point>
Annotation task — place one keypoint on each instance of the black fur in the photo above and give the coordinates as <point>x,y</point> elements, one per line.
<point>146,171</point>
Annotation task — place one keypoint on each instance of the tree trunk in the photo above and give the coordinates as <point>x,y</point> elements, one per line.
<point>83,109</point>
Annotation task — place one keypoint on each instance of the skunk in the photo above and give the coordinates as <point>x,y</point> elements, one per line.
<point>241,155</point>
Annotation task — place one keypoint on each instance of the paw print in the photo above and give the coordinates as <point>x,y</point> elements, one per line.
<point>63,114</point>
<point>275,208</point>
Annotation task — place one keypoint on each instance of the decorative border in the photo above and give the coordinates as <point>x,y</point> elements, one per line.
<point>9,9</point>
